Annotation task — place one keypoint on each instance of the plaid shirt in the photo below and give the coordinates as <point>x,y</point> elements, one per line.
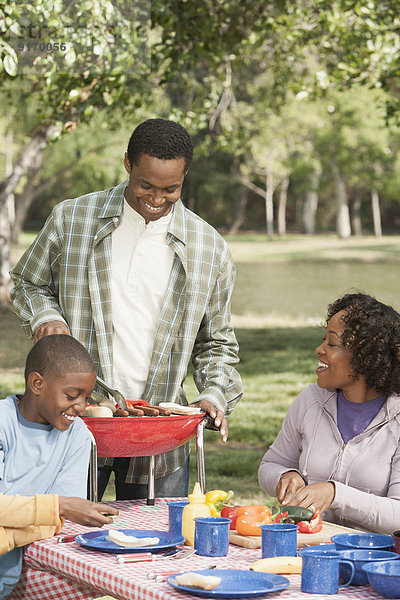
<point>65,274</point>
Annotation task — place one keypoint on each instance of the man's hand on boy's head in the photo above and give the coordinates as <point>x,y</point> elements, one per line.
<point>85,512</point>
<point>217,415</point>
<point>50,328</point>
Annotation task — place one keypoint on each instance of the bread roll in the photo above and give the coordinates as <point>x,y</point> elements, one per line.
<point>179,409</point>
<point>97,411</point>
<point>205,582</point>
<point>130,541</point>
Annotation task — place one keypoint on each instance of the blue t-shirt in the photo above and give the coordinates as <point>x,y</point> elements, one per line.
<point>354,417</point>
<point>38,459</point>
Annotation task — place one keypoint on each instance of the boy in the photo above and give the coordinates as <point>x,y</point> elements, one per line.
<point>44,447</point>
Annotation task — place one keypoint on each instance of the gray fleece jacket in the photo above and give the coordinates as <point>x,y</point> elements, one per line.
<point>365,471</point>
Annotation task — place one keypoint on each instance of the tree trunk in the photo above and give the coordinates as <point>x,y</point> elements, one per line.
<point>30,192</point>
<point>29,155</point>
<point>7,219</point>
<point>282,206</point>
<point>269,206</point>
<point>376,213</point>
<point>240,211</point>
<point>311,203</point>
<point>5,259</point>
<point>356,213</point>
<point>32,154</point>
<point>22,203</point>
<point>343,227</point>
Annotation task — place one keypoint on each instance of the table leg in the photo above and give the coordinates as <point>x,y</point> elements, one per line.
<point>150,484</point>
<point>201,471</point>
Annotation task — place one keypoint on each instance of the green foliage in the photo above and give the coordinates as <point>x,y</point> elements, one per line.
<point>116,52</point>
<point>277,359</point>
<point>256,82</point>
<point>104,61</point>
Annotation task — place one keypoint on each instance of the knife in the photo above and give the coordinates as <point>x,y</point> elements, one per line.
<point>66,538</point>
<point>149,556</point>
<point>161,576</point>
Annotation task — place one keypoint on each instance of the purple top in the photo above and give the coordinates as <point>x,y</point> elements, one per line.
<point>353,418</point>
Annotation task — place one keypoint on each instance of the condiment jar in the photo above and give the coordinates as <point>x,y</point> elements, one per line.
<point>197,507</point>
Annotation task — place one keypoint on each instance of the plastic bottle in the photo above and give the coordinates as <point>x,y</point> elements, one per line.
<point>197,507</point>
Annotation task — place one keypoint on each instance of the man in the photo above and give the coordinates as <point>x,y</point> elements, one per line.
<point>145,285</point>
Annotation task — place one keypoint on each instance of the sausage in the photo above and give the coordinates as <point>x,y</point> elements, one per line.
<point>135,412</point>
<point>150,410</point>
<point>164,411</point>
<point>121,413</point>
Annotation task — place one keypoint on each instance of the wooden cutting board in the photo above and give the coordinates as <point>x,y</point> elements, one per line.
<point>303,539</point>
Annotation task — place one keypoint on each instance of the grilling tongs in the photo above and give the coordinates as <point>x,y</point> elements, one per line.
<point>116,396</point>
<point>134,407</point>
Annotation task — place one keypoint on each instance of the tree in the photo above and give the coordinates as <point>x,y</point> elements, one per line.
<point>84,57</point>
<point>77,59</point>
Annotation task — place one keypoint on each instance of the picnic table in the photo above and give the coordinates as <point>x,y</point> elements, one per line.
<point>69,571</point>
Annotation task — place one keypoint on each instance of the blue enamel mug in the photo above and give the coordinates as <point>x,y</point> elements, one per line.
<point>278,539</point>
<point>211,536</point>
<point>320,571</point>
<point>175,510</point>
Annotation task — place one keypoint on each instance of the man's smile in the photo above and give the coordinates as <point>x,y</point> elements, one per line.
<point>154,208</point>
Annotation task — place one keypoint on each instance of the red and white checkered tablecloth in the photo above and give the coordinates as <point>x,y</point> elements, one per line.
<point>68,571</point>
<point>42,584</point>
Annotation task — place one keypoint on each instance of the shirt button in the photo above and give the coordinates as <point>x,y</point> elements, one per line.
<point>95,237</point>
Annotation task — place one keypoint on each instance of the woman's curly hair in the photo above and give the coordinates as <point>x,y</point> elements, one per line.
<point>371,331</point>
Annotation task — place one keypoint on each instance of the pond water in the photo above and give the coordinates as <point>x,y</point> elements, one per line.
<point>302,291</point>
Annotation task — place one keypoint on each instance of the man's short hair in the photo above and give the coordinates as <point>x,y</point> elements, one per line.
<point>53,356</point>
<point>161,139</point>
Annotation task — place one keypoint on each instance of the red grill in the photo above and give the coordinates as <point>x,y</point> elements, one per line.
<point>141,436</point>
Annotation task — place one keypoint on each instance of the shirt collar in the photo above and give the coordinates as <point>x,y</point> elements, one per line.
<point>114,201</point>
<point>177,227</point>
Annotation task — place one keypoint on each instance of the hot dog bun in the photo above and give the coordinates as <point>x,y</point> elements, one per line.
<point>179,409</point>
<point>130,541</point>
<point>97,411</point>
<point>205,582</point>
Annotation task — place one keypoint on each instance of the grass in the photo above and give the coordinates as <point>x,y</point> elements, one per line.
<point>300,248</point>
<point>277,360</point>
<point>275,365</point>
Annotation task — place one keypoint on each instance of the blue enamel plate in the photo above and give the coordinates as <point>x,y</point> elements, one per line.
<point>99,540</point>
<point>235,584</point>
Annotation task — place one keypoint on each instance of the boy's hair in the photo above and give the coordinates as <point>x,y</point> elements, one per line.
<point>371,331</point>
<point>53,356</point>
<point>161,139</point>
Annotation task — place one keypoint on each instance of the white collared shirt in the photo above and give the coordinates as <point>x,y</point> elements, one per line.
<point>141,267</point>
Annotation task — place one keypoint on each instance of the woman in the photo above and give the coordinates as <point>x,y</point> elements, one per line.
<point>339,447</point>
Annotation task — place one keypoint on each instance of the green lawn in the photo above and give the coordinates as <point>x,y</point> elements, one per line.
<point>276,361</point>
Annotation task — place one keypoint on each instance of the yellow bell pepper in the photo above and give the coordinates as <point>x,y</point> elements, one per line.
<point>216,499</point>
